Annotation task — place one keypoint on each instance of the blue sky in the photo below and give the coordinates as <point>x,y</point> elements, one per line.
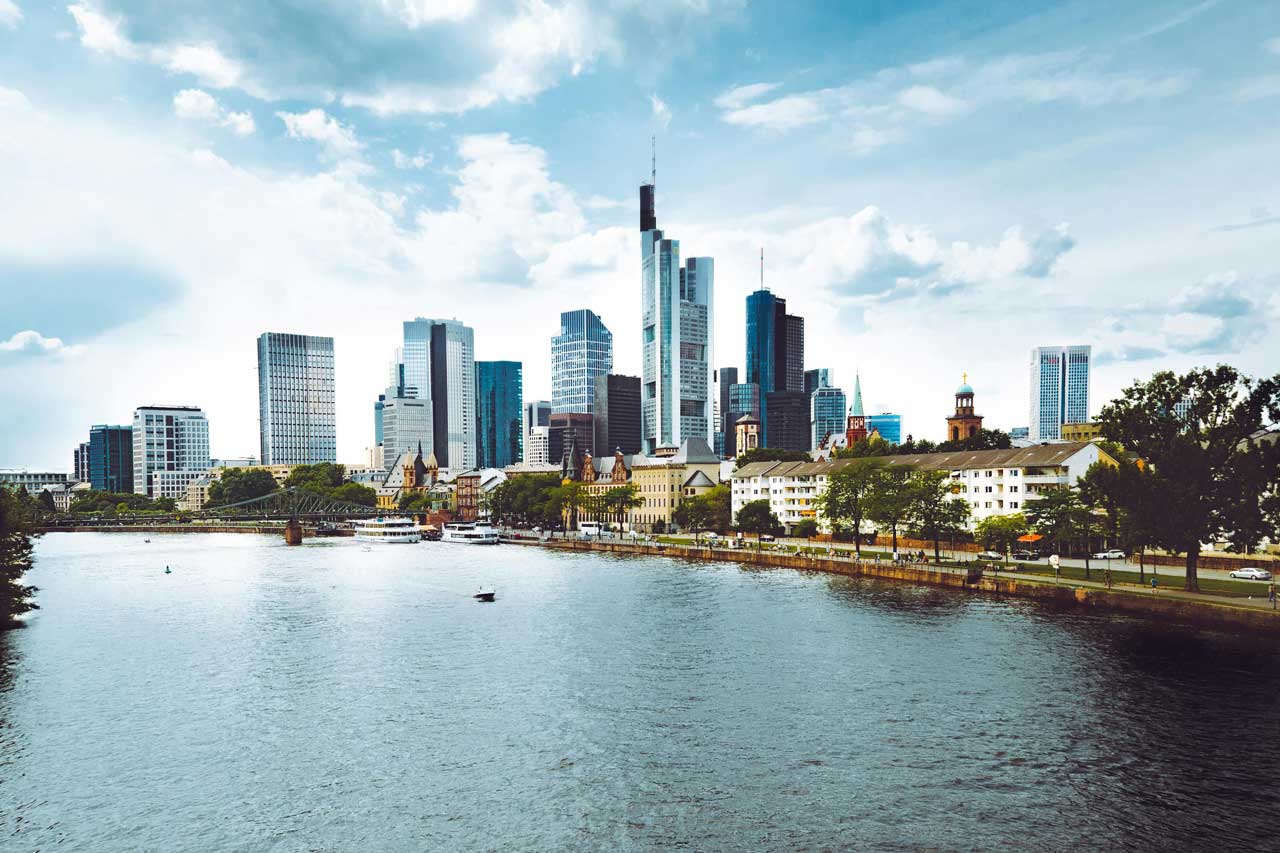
<point>938,187</point>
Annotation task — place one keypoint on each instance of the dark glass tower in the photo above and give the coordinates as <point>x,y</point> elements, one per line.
<point>617,414</point>
<point>111,458</point>
<point>499,413</point>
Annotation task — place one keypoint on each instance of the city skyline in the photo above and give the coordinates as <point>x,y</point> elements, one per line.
<point>898,209</point>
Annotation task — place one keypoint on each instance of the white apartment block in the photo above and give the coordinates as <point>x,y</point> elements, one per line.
<point>168,440</point>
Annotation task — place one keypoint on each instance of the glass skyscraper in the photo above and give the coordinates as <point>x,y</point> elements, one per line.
<point>295,399</point>
<point>581,352</point>
<point>499,415</point>
<point>436,366</point>
<point>1059,390</point>
<point>170,449</point>
<point>775,350</point>
<point>111,458</point>
<point>826,414</point>
<point>888,425</point>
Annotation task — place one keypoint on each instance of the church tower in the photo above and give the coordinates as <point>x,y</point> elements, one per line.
<point>964,423</point>
<point>856,426</point>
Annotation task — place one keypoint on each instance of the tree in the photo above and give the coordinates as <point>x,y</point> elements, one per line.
<point>620,500</point>
<point>318,478</point>
<point>890,497</point>
<point>719,503</point>
<point>844,502</point>
<point>1000,531</point>
<point>354,493</point>
<point>1199,434</point>
<point>805,528</point>
<point>46,501</point>
<point>936,510</point>
<point>872,445</point>
<point>773,454</point>
<point>1056,516</point>
<point>240,484</point>
<point>756,517</point>
<point>572,496</point>
<point>16,531</point>
<point>691,514</point>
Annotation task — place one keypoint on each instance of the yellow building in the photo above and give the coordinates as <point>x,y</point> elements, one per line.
<point>1081,432</point>
<point>670,476</point>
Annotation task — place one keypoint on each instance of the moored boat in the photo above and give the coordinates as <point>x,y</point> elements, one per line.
<point>388,530</point>
<point>485,594</point>
<point>470,532</point>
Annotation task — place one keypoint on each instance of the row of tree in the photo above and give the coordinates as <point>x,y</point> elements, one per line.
<point>325,478</point>
<point>543,500</point>
<point>19,516</point>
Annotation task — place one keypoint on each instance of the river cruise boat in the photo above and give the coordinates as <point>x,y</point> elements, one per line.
<point>470,532</point>
<point>388,530</point>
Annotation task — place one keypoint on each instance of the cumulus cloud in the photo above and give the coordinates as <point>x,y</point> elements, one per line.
<point>198,105</point>
<point>406,161</point>
<point>661,112</point>
<point>336,138</point>
<point>31,342</point>
<point>10,14</point>
<point>13,100</point>
<point>102,33</point>
<point>739,96</point>
<point>420,13</point>
<point>928,100</point>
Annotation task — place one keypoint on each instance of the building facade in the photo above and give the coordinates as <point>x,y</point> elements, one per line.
<point>406,424</point>
<point>33,481</point>
<point>566,430</point>
<point>788,427</point>
<point>775,352</point>
<point>826,414</point>
<point>1081,432</point>
<point>726,378</point>
<point>677,323</point>
<point>170,448</point>
<point>581,352</point>
<point>819,377</point>
<point>499,413</point>
<point>80,462</point>
<point>111,458</point>
<point>453,394</point>
<point>965,423</point>
<point>660,481</point>
<point>617,415</point>
<point>537,446</point>
<point>296,420</point>
<point>855,429</point>
<point>1060,379</point>
<point>537,413</point>
<point>888,425</point>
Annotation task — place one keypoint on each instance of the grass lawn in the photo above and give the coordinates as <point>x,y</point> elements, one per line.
<point>1235,589</point>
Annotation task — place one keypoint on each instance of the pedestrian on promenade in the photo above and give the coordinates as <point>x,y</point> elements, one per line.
<point>1153,584</point>
<point>1271,594</point>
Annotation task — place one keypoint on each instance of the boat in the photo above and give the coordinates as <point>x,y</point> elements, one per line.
<point>388,530</point>
<point>485,594</point>
<point>470,532</point>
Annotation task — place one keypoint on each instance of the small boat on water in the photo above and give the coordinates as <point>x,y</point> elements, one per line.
<point>388,530</point>
<point>485,594</point>
<point>470,532</point>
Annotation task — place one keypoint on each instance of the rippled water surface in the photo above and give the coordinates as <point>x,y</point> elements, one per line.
<point>338,697</point>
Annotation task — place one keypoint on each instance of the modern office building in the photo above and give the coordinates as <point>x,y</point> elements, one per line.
<point>80,463</point>
<point>499,413</point>
<point>296,421</point>
<point>1059,390</point>
<point>617,415</point>
<point>888,425</point>
<point>453,394</point>
<point>406,425</point>
<point>677,324</point>
<point>819,377</point>
<point>581,352</point>
<point>170,449</point>
<point>826,414</point>
<point>726,378</point>
<point>788,427</point>
<point>537,413</point>
<point>565,428</point>
<point>111,458</point>
<point>14,479</point>
<point>775,350</point>
<point>537,446</point>
<point>744,399</point>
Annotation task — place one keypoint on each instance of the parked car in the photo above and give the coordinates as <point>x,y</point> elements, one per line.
<point>990,555</point>
<point>766,537</point>
<point>1251,573</point>
<point>711,535</point>
<point>1024,554</point>
<point>1113,554</point>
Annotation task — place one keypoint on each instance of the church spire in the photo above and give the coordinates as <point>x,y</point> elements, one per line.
<point>856,408</point>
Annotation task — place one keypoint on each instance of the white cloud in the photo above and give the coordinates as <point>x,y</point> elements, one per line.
<point>419,13</point>
<point>13,100</point>
<point>405,161</point>
<point>785,113</point>
<point>199,105</point>
<point>204,61</point>
<point>31,342</point>
<point>101,33</point>
<point>739,96</point>
<point>661,112</point>
<point>10,14</point>
<point>1257,88</point>
<point>1273,45</point>
<point>1015,254</point>
<point>316,125</point>
<point>928,100</point>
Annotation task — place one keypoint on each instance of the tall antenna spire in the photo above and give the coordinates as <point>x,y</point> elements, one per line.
<point>653,149</point>
<point>762,267</point>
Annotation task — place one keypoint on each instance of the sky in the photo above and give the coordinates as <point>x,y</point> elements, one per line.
<point>937,188</point>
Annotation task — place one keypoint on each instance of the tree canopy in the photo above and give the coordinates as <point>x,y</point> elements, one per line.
<point>119,503</point>
<point>711,510</point>
<point>240,484</point>
<point>773,454</point>
<point>756,517</point>
<point>17,527</point>
<point>844,502</point>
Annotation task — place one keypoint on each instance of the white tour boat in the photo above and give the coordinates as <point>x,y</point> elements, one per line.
<point>470,532</point>
<point>388,530</point>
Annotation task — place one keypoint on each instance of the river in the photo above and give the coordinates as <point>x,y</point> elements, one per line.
<point>339,697</point>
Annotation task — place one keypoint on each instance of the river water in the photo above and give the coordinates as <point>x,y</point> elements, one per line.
<point>342,697</point>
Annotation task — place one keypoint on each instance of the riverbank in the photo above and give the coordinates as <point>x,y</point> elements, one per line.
<point>1166,604</point>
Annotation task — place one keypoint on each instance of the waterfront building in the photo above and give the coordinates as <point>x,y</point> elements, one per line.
<point>64,493</point>
<point>617,415</point>
<point>1059,389</point>
<point>472,490</point>
<point>437,366</point>
<point>111,458</point>
<point>819,377</point>
<point>964,423</point>
<point>410,475</point>
<point>665,479</point>
<point>581,352</point>
<point>826,414</point>
<point>406,423</point>
<point>856,426</point>
<point>747,434</point>
<point>296,420</point>
<point>788,427</point>
<point>33,481</point>
<point>170,449</point>
<point>677,323</point>
<point>537,413</point>
<point>1081,432</point>
<point>993,482</point>
<point>566,429</point>
<point>537,446</point>
<point>499,416</point>
<point>80,462</point>
<point>888,425</point>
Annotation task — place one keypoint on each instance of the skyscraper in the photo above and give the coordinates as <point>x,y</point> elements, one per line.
<point>617,414</point>
<point>676,335</point>
<point>582,351</point>
<point>295,399</point>
<point>726,378</point>
<point>788,420</point>
<point>110,458</point>
<point>453,393</point>
<point>775,350</point>
<point>80,463</point>
<point>170,449</point>
<point>568,428</point>
<point>406,425</point>
<point>826,414</point>
<point>1059,390</point>
<point>819,377</point>
<point>888,425</point>
<point>537,413</point>
<point>499,432</point>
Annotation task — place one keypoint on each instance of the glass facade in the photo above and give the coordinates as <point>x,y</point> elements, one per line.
<point>111,458</point>
<point>453,393</point>
<point>407,424</point>
<point>1059,390</point>
<point>296,399</point>
<point>888,425</point>
<point>499,416</point>
<point>617,415</point>
<point>168,439</point>
<point>581,352</point>
<point>826,414</point>
<point>817,378</point>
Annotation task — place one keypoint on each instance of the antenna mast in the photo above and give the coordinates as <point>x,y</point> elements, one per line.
<point>762,267</point>
<point>653,147</point>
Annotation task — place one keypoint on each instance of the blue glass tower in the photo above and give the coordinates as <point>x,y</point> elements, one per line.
<point>888,425</point>
<point>499,413</point>
<point>111,458</point>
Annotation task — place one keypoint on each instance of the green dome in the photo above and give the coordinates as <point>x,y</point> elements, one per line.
<point>966,388</point>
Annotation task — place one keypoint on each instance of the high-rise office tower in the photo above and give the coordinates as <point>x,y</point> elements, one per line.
<point>726,378</point>
<point>566,429</point>
<point>411,368</point>
<point>826,414</point>
<point>788,420</point>
<point>819,377</point>
<point>499,416</point>
<point>110,458</point>
<point>296,421</point>
<point>677,322</point>
<point>888,425</point>
<point>791,361</point>
<point>775,350</point>
<point>617,414</point>
<point>537,413</point>
<point>582,351</point>
<point>80,463</point>
<point>1059,390</point>
<point>453,393</point>
<point>406,425</point>
<point>170,449</point>
<point>537,445</point>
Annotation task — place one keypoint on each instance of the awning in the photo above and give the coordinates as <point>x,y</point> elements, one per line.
<point>1030,537</point>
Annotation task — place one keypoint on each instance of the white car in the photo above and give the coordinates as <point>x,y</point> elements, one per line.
<point>1250,573</point>
<point>990,555</point>
<point>1113,554</point>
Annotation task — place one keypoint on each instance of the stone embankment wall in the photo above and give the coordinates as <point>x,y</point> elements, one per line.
<point>272,529</point>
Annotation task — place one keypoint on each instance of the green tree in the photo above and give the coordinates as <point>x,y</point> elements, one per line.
<point>773,454</point>
<point>17,529</point>
<point>805,528</point>
<point>572,496</point>
<point>844,502</point>
<point>756,517</point>
<point>936,510</point>
<point>719,503</point>
<point>1198,433</point>
<point>46,502</point>
<point>691,515</point>
<point>890,498</point>
<point>240,484</point>
<point>354,493</point>
<point>619,501</point>
<point>872,445</point>
<point>1056,515</point>
<point>1001,531</point>
<point>319,477</point>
